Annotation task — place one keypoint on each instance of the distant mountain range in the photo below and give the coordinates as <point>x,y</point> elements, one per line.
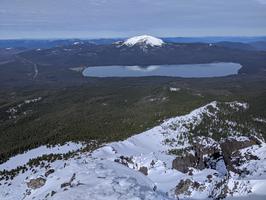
<point>147,50</point>
<point>23,65</point>
<point>48,43</point>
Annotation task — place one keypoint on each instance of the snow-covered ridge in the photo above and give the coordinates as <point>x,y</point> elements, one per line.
<point>141,167</point>
<point>144,40</point>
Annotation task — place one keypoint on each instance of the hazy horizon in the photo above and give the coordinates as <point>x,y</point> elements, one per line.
<point>99,38</point>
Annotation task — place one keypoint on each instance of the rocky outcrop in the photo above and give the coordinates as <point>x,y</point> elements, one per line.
<point>205,147</point>
<point>230,146</point>
<point>207,153</point>
<point>124,160</point>
<point>183,163</point>
<point>144,170</point>
<point>220,190</point>
<point>184,187</point>
<point>201,154</point>
<point>36,183</point>
<point>69,183</point>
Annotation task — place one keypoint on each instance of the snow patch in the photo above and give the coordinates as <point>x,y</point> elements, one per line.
<point>259,120</point>
<point>173,89</point>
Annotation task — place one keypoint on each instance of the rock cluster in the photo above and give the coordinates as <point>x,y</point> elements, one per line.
<point>184,187</point>
<point>36,183</point>
<point>207,156</point>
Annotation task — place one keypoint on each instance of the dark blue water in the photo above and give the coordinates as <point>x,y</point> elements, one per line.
<point>186,71</point>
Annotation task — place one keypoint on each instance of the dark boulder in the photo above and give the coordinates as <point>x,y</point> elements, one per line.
<point>50,171</point>
<point>144,170</point>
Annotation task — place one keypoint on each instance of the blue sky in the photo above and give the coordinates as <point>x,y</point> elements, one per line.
<point>124,18</point>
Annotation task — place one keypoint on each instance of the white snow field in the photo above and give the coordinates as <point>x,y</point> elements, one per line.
<point>113,170</point>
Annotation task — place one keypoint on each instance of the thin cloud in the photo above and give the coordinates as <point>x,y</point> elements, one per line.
<point>115,18</point>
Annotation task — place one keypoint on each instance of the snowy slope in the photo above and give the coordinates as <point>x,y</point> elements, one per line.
<point>141,167</point>
<point>144,40</point>
<point>85,178</point>
<point>22,159</point>
<point>150,150</point>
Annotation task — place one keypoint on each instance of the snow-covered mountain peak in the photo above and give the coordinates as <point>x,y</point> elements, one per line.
<point>145,40</point>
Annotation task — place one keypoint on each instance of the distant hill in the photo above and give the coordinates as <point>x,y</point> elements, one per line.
<point>32,44</point>
<point>259,45</point>
<point>49,43</point>
<point>214,39</point>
